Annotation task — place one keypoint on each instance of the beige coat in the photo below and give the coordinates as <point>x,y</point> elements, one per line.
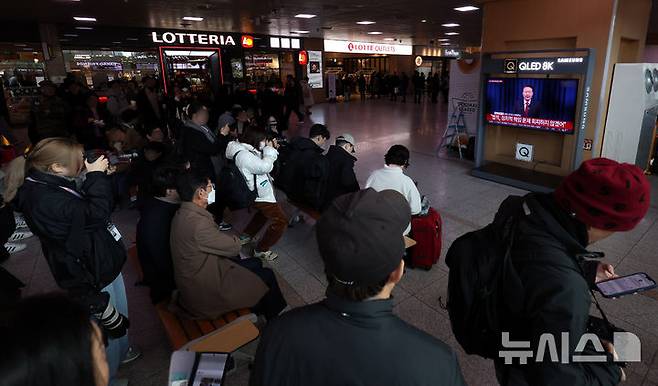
<point>209,283</point>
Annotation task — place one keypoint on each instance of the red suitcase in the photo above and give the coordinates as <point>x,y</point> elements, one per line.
<point>426,231</point>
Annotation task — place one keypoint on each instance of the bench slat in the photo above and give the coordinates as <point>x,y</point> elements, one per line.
<point>191,329</point>
<point>205,326</point>
<point>175,333</point>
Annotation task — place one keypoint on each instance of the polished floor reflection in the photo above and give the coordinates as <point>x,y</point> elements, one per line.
<point>465,204</point>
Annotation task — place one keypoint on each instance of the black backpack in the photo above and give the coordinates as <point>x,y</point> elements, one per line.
<point>315,182</point>
<point>232,186</point>
<point>481,276</point>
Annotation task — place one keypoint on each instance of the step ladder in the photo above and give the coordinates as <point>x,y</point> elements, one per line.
<point>456,129</point>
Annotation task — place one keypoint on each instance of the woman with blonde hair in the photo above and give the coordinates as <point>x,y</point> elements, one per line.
<point>83,248</point>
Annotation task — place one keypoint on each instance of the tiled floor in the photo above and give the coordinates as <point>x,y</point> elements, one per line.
<point>464,202</point>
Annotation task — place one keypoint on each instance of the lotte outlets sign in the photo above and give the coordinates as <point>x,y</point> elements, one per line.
<point>345,46</point>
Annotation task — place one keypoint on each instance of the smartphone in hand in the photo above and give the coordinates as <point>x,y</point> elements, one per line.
<point>626,285</point>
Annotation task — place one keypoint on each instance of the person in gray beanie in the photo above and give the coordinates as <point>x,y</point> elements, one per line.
<point>352,337</point>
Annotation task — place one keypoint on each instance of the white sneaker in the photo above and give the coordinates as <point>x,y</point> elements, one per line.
<point>21,235</point>
<point>20,223</point>
<point>20,220</point>
<point>15,248</point>
<point>267,255</point>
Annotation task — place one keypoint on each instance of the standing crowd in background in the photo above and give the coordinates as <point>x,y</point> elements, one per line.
<point>394,85</point>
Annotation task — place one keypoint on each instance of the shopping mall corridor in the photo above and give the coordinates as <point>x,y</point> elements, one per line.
<point>465,203</point>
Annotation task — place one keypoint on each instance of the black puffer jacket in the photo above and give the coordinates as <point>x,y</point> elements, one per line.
<point>551,260</point>
<point>342,179</point>
<point>304,174</point>
<point>72,226</point>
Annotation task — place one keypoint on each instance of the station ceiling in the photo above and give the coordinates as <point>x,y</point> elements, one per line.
<point>408,22</point>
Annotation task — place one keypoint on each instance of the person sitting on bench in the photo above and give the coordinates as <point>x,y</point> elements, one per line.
<point>211,280</point>
<point>305,170</point>
<point>352,337</point>
<point>392,176</point>
<point>342,179</point>
<point>153,230</point>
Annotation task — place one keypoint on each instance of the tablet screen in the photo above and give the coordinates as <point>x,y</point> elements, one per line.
<point>209,370</point>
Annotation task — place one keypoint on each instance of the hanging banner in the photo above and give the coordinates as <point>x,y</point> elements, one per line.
<point>464,94</point>
<point>314,69</point>
<point>331,85</point>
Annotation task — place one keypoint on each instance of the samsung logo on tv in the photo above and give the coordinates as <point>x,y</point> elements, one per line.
<point>570,60</point>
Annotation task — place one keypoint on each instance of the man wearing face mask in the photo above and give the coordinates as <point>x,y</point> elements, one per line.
<point>211,281</point>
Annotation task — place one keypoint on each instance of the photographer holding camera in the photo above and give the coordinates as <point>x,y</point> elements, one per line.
<point>83,248</point>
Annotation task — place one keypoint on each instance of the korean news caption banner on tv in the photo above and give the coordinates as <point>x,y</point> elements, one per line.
<point>542,104</point>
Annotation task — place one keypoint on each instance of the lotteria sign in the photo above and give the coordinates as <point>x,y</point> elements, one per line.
<point>346,46</point>
<point>193,38</point>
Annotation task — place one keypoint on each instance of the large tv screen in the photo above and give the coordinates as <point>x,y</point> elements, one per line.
<point>542,104</point>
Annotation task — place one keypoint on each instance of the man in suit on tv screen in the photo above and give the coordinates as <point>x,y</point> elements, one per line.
<point>528,106</point>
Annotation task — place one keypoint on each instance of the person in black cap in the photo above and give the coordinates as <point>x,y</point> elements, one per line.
<point>341,179</point>
<point>353,337</point>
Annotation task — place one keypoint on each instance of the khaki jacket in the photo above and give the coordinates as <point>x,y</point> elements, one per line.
<point>209,282</point>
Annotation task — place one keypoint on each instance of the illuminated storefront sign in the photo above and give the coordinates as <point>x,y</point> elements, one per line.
<point>346,46</point>
<point>247,41</point>
<point>193,38</point>
<point>303,58</point>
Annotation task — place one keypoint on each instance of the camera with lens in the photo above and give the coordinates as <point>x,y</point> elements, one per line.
<point>280,139</point>
<point>112,157</point>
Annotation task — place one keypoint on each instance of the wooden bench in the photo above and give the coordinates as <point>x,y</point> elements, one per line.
<point>181,331</point>
<point>409,242</point>
<point>315,215</point>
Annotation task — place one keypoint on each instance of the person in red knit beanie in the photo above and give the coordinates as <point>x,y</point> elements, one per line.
<point>605,195</point>
<point>556,271</point>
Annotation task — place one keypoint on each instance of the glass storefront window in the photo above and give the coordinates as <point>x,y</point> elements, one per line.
<point>262,67</point>
<point>98,67</point>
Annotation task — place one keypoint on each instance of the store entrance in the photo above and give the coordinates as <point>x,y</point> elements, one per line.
<point>197,69</point>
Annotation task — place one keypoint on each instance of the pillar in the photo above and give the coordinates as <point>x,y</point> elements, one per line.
<point>53,58</point>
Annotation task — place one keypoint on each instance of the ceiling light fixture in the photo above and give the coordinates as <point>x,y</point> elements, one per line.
<point>300,32</point>
<point>375,33</point>
<point>84,28</point>
<point>71,35</point>
<point>365,22</point>
<point>452,33</point>
<point>444,40</point>
<point>445,44</point>
<point>466,8</point>
<point>20,44</point>
<point>192,18</point>
<point>305,15</point>
<point>450,25</point>
<point>83,18</point>
<point>132,39</point>
<point>389,39</point>
<point>117,42</point>
<point>424,21</point>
